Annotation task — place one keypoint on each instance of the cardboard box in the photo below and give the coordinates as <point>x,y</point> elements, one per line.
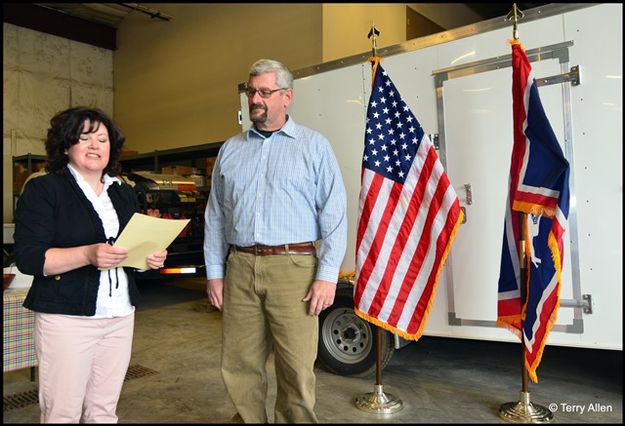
<point>210,163</point>
<point>128,153</point>
<point>177,170</point>
<point>20,173</point>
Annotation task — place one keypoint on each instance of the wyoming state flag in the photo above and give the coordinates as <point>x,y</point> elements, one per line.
<point>538,186</point>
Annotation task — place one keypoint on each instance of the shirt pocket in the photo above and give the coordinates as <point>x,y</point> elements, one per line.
<point>292,179</point>
<point>236,182</point>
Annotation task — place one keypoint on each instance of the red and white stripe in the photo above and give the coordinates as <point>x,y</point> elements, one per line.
<point>403,235</point>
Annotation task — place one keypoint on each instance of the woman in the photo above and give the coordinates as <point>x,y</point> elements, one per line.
<point>84,304</point>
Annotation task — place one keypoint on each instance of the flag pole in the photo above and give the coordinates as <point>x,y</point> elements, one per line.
<point>377,402</point>
<point>523,411</point>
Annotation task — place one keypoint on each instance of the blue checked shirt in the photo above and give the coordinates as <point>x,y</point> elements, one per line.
<point>284,189</point>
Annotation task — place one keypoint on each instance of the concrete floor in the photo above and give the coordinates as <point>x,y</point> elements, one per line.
<point>439,380</point>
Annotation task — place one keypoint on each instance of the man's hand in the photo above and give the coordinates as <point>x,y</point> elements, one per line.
<point>321,296</point>
<point>215,291</point>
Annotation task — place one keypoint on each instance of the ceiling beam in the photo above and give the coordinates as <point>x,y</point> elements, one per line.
<point>447,15</point>
<point>60,24</point>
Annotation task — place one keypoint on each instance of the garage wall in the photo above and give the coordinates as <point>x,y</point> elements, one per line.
<point>176,82</point>
<point>346,26</point>
<point>44,74</point>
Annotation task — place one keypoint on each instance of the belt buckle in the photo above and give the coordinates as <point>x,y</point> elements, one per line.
<point>255,249</point>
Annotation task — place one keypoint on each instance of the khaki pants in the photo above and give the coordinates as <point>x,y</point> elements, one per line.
<point>263,309</point>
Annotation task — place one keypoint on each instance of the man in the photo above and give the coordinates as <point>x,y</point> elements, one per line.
<point>276,189</point>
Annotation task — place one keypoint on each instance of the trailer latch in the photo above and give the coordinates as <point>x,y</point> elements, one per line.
<point>585,303</point>
<point>572,76</point>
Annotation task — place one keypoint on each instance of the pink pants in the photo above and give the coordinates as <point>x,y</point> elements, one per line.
<point>82,365</point>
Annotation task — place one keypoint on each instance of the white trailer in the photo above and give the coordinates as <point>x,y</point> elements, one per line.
<point>458,85</point>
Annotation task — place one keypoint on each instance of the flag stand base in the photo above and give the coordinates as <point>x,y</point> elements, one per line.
<point>378,402</point>
<point>523,411</point>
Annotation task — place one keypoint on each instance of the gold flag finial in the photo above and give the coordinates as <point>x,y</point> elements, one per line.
<point>373,35</point>
<point>515,14</point>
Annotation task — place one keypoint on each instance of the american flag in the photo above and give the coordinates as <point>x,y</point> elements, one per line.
<point>538,186</point>
<point>409,214</point>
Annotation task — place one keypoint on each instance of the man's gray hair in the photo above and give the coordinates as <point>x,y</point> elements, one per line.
<point>284,78</point>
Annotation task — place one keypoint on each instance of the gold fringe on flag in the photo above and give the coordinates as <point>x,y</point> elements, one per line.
<point>417,335</point>
<point>375,60</point>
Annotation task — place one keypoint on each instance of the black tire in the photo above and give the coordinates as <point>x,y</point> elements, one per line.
<point>347,342</point>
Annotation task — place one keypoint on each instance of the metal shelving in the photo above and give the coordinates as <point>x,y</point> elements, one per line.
<point>155,161</point>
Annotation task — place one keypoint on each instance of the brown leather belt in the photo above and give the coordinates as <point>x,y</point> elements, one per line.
<point>261,250</point>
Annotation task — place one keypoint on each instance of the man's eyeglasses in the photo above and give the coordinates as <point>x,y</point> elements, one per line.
<point>264,93</point>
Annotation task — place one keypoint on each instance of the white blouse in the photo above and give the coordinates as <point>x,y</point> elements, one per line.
<point>113,299</point>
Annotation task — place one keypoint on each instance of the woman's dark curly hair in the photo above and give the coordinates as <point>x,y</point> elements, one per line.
<point>66,128</point>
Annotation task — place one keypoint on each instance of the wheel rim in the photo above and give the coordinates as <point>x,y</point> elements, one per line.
<point>346,336</point>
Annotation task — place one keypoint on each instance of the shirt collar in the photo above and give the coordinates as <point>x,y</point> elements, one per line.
<point>108,180</point>
<point>288,129</point>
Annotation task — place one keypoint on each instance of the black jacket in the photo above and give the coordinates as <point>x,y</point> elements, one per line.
<point>53,212</point>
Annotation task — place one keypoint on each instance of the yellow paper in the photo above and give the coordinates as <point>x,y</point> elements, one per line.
<point>145,235</point>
